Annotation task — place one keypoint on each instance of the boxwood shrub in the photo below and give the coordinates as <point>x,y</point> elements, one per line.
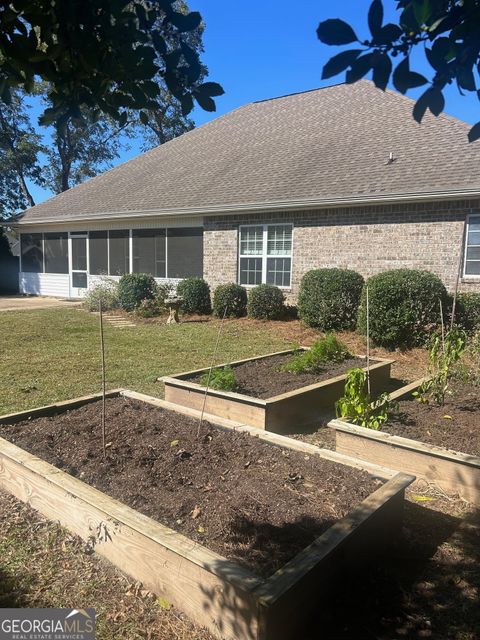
<point>467,311</point>
<point>266,302</point>
<point>133,288</point>
<point>329,298</point>
<point>231,297</point>
<point>196,296</point>
<point>404,307</point>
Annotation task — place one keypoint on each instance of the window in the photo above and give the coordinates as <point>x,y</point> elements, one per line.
<point>185,252</point>
<point>265,254</point>
<point>32,252</point>
<point>55,248</point>
<point>98,252</point>
<point>119,252</point>
<point>149,252</point>
<point>472,249</point>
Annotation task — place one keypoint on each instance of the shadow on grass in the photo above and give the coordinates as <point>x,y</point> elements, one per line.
<point>11,595</point>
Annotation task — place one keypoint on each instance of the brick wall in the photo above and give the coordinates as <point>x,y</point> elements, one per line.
<point>368,240</point>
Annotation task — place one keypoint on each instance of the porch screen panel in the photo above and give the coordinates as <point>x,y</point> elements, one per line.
<point>98,252</point>
<point>185,252</point>
<point>119,252</point>
<point>32,252</point>
<point>149,252</point>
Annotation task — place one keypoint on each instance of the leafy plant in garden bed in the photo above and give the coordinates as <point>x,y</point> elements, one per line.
<point>444,353</point>
<point>220,378</point>
<point>356,405</point>
<point>324,351</point>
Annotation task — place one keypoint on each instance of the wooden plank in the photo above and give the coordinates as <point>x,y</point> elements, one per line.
<point>408,389</point>
<point>300,588</point>
<point>282,413</point>
<point>224,407</point>
<point>213,591</point>
<point>454,473</point>
<point>58,407</point>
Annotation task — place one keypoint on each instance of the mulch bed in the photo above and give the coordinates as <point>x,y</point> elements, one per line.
<point>264,379</point>
<point>247,500</point>
<point>455,426</point>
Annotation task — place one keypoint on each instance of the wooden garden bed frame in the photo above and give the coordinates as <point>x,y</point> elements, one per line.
<point>297,408</point>
<point>453,471</point>
<point>229,600</point>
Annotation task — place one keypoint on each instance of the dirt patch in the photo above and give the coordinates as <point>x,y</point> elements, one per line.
<point>455,426</point>
<point>264,378</point>
<point>249,501</point>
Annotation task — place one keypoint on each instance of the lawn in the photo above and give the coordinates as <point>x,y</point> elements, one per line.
<point>51,355</point>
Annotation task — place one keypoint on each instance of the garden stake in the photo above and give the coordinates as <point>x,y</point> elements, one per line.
<point>210,371</point>
<point>102,349</point>
<point>443,325</point>
<point>368,343</point>
<point>457,282</point>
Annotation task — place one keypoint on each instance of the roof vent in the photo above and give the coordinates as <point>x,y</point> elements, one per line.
<point>391,158</point>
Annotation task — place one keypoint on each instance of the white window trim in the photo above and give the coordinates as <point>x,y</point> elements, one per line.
<point>264,255</point>
<point>468,276</point>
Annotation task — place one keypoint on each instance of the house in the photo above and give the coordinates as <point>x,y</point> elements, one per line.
<point>336,177</point>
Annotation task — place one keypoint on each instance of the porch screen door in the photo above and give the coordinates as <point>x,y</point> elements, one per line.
<point>79,272</point>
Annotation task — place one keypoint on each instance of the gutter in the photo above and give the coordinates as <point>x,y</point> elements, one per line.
<point>289,205</point>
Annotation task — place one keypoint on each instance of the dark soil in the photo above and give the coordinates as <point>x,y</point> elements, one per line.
<point>246,500</point>
<point>264,379</point>
<point>455,426</point>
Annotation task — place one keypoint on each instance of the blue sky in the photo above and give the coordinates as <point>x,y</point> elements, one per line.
<point>259,50</point>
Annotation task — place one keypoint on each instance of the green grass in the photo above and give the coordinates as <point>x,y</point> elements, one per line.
<point>53,354</point>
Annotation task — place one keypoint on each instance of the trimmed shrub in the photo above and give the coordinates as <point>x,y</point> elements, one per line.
<point>404,307</point>
<point>265,302</point>
<point>232,297</point>
<point>196,296</point>
<point>329,298</point>
<point>105,290</point>
<point>467,311</point>
<point>133,288</point>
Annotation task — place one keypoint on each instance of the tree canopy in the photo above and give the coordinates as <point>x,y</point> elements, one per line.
<point>103,55</point>
<point>448,31</point>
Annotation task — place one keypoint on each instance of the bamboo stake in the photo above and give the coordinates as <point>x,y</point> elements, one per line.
<point>443,324</point>
<point>102,350</point>
<point>459,271</point>
<point>368,341</point>
<point>210,371</point>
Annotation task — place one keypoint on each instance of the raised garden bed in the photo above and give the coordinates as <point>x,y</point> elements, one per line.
<point>440,444</point>
<point>288,519</point>
<point>271,399</point>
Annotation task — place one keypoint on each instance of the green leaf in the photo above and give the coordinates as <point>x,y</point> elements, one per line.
<point>360,68</point>
<point>335,31</point>
<point>422,10</point>
<point>432,99</point>
<point>205,101</point>
<point>381,71</point>
<point>187,104</point>
<point>211,89</point>
<point>404,79</point>
<point>474,133</point>
<point>375,17</point>
<point>144,119</point>
<point>466,79</point>
<point>164,604</point>
<point>340,62</point>
<point>187,22</point>
<point>388,34</point>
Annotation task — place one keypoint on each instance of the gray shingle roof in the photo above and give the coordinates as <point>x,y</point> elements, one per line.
<point>327,144</point>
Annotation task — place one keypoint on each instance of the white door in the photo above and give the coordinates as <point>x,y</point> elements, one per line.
<point>78,264</point>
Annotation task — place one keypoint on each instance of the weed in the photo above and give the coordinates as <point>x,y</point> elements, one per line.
<point>324,351</point>
<point>221,379</point>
